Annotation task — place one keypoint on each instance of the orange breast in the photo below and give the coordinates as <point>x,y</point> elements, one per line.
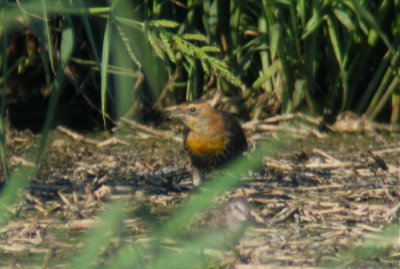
<point>205,145</point>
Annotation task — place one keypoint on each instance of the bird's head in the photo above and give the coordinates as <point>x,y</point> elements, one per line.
<point>197,116</point>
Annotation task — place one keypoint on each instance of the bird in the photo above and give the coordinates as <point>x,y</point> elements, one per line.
<point>212,137</point>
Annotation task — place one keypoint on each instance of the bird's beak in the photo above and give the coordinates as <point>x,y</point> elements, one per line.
<point>173,112</point>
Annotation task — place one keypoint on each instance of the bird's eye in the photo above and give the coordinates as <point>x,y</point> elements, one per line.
<point>192,109</point>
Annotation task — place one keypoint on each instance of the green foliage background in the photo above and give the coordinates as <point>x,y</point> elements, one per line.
<point>266,56</point>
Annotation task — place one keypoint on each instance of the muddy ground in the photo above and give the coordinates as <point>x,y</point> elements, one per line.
<point>309,204</point>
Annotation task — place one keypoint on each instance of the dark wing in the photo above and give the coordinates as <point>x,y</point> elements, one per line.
<point>238,138</point>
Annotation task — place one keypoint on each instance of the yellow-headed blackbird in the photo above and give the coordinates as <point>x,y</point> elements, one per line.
<point>212,137</point>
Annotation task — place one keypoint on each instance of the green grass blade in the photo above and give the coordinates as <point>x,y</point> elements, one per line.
<point>314,23</point>
<point>379,78</point>
<point>370,19</point>
<point>104,67</point>
<point>4,72</point>
<point>372,249</point>
<point>335,40</point>
<point>67,45</point>
<point>3,149</point>
<point>345,19</point>
<point>96,239</point>
<point>267,74</point>
<point>264,55</point>
<point>9,194</point>
<point>275,39</point>
<point>373,111</point>
<point>90,36</point>
<point>50,48</point>
<point>192,251</point>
